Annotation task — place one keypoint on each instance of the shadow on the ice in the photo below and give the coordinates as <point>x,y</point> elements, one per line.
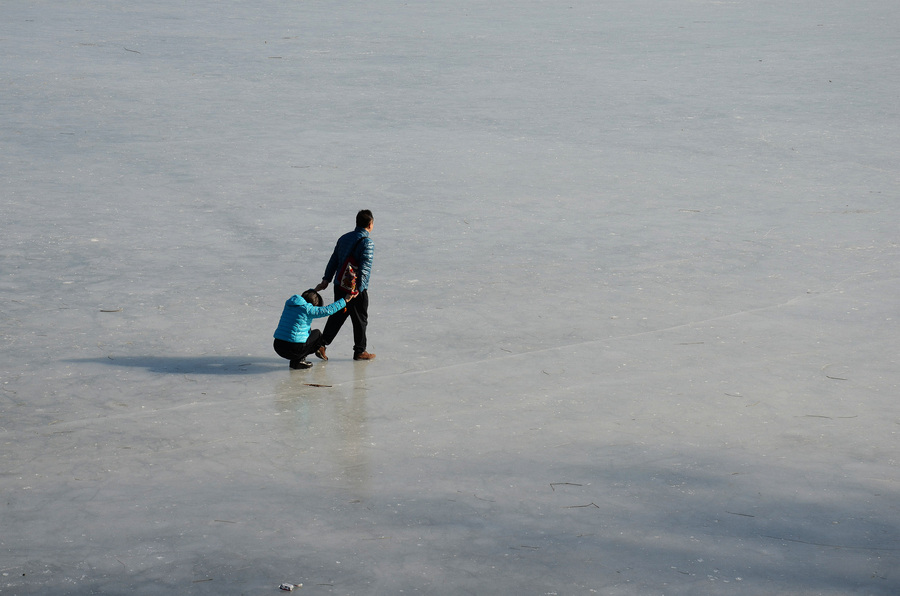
<point>197,365</point>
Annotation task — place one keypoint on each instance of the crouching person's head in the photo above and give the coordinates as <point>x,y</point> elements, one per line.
<point>312,297</point>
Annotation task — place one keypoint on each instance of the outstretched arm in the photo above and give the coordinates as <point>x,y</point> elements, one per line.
<point>326,311</point>
<point>330,269</point>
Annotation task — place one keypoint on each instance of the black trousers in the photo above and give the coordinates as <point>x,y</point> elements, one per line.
<point>358,311</point>
<point>294,351</point>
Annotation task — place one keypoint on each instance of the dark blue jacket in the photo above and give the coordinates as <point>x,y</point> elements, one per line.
<point>364,253</point>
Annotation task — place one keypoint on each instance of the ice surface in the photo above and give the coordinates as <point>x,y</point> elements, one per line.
<point>634,297</point>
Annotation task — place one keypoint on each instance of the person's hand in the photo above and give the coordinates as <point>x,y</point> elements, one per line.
<point>322,285</point>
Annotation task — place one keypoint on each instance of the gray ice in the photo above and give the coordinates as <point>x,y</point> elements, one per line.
<point>634,299</point>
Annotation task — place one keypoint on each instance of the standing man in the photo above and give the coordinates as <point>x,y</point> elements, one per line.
<point>358,244</point>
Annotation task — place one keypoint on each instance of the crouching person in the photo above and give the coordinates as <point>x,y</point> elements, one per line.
<point>293,339</point>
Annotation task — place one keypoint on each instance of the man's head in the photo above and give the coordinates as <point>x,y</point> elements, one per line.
<point>364,219</point>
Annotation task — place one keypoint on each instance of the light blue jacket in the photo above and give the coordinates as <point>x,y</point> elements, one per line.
<point>297,316</point>
<point>363,253</point>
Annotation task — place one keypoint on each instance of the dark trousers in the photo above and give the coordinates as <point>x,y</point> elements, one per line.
<point>294,351</point>
<point>358,311</point>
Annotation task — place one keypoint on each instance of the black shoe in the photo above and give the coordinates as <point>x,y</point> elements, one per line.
<point>300,364</point>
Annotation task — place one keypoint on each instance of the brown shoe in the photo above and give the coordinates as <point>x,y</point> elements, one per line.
<point>320,353</point>
<point>363,356</point>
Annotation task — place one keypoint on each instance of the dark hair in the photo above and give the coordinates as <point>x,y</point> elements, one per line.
<point>312,297</point>
<point>364,218</point>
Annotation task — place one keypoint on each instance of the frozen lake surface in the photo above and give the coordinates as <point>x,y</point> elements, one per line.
<point>634,298</point>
